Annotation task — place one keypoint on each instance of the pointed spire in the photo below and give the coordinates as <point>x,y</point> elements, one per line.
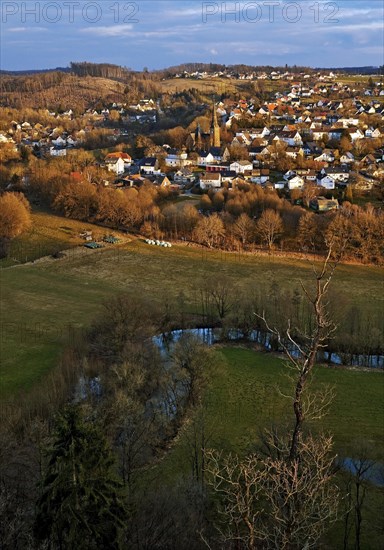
<point>215,129</point>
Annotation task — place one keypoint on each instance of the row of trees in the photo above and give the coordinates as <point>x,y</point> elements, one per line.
<point>234,219</point>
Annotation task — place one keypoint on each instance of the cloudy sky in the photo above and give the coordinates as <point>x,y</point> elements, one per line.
<point>162,33</point>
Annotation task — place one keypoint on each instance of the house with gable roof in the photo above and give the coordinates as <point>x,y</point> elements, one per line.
<point>115,164</point>
<point>210,180</point>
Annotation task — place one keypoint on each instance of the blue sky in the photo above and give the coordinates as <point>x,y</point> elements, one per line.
<point>157,34</point>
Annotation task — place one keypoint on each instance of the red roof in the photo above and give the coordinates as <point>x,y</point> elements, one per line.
<point>117,155</point>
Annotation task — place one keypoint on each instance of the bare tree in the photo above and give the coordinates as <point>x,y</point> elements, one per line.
<point>270,226</point>
<point>244,229</point>
<point>302,352</point>
<point>239,483</point>
<point>361,469</point>
<point>286,498</point>
<point>220,293</point>
<point>209,230</point>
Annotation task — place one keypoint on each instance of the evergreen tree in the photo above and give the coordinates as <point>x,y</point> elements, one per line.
<point>81,505</point>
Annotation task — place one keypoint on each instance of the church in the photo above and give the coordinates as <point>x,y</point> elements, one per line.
<point>202,141</point>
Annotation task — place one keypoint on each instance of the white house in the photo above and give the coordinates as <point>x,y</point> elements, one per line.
<point>149,165</point>
<point>4,139</point>
<point>71,141</point>
<point>326,181</point>
<point>295,182</point>
<point>355,133</point>
<point>205,158</point>
<point>178,160</point>
<point>241,166</point>
<point>57,152</point>
<point>115,165</point>
<point>210,180</point>
<point>292,138</point>
<point>338,174</point>
<point>326,156</point>
<point>59,142</point>
<point>347,158</point>
<point>372,133</point>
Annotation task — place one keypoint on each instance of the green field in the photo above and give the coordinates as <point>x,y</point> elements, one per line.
<point>244,396</point>
<point>39,301</point>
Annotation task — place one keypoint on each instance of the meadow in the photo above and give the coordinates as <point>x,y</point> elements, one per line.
<point>42,300</point>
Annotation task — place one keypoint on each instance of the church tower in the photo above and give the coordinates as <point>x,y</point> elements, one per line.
<point>215,129</point>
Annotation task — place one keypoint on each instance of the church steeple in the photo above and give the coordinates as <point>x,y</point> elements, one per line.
<point>215,129</point>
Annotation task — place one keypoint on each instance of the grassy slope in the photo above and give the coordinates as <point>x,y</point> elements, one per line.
<point>48,234</point>
<point>37,311</point>
<point>55,294</point>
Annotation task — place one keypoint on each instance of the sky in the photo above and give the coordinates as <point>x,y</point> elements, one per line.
<point>161,33</point>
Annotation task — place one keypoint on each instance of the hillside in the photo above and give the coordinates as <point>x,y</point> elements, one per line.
<point>59,90</point>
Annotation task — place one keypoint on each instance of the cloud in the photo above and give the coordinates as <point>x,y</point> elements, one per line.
<point>27,29</point>
<point>112,30</point>
<point>173,31</point>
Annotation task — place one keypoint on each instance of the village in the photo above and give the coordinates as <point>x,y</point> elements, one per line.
<point>319,137</point>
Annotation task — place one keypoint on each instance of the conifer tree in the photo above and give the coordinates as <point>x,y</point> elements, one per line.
<point>81,505</point>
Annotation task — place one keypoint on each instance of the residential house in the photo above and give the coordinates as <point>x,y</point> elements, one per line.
<point>295,182</point>
<point>227,176</point>
<point>59,142</point>
<point>205,157</point>
<point>220,154</point>
<point>149,165</point>
<point>259,176</point>
<point>127,160</point>
<point>335,133</point>
<point>57,152</point>
<point>326,156</point>
<point>326,181</point>
<point>210,180</point>
<point>322,204</point>
<point>347,158</point>
<point>372,133</point>
<point>71,141</point>
<point>292,138</point>
<point>310,176</point>
<point>355,133</point>
<point>115,164</point>
<point>339,174</point>
<point>368,160</point>
<point>184,175</point>
<point>241,166</point>
<point>177,159</point>
<point>294,152</point>
<point>163,182</point>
